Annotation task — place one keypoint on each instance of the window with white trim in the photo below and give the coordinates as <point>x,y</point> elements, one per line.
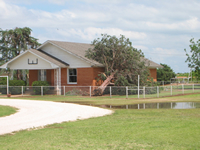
<point>72,76</point>
<point>42,75</point>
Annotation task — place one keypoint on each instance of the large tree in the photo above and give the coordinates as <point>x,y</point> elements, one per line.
<point>121,60</point>
<point>15,41</point>
<point>165,73</point>
<point>193,58</point>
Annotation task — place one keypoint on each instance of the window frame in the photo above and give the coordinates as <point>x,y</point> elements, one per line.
<point>42,75</point>
<point>68,76</point>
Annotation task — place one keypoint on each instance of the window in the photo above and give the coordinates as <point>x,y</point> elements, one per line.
<point>72,76</point>
<point>42,75</point>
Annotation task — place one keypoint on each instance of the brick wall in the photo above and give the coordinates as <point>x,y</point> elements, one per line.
<point>153,74</point>
<point>48,74</point>
<point>33,76</point>
<point>85,76</point>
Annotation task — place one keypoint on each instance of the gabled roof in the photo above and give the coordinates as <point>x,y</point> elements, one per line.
<point>150,63</point>
<point>50,58</point>
<point>42,55</point>
<point>76,49</point>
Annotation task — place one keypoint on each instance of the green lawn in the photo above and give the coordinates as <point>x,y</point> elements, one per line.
<point>7,110</point>
<point>125,129</point>
<point>115,100</point>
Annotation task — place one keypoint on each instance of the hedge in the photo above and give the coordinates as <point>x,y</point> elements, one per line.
<point>16,86</point>
<point>37,90</point>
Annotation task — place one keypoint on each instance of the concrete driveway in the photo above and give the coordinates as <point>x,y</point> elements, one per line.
<point>34,114</point>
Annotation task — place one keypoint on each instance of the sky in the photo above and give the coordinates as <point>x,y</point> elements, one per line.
<point>162,29</point>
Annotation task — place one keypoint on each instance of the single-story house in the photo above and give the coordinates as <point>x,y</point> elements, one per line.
<point>63,64</point>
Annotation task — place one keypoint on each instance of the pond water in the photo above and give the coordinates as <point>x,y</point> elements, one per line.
<point>173,105</point>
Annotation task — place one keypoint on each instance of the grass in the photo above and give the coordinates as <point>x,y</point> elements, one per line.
<point>115,100</point>
<point>125,129</point>
<point>7,110</point>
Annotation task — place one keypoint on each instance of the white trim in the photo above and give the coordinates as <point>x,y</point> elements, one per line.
<point>52,64</point>
<point>92,64</point>
<point>68,76</point>
<point>6,64</point>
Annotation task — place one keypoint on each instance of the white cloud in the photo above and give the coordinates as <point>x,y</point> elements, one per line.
<point>155,27</point>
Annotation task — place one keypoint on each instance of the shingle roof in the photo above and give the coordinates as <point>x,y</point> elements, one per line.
<point>150,63</point>
<point>49,57</point>
<point>79,49</point>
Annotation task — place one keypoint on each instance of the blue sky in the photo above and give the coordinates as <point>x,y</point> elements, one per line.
<point>161,29</point>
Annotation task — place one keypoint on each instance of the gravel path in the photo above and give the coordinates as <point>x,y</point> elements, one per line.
<point>33,114</point>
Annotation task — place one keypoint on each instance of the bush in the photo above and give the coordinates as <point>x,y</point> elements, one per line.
<point>37,90</point>
<point>77,92</point>
<point>116,90</point>
<point>14,90</point>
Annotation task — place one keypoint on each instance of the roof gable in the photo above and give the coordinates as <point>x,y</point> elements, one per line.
<point>33,59</point>
<point>76,49</point>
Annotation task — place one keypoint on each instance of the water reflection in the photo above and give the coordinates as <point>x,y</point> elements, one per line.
<point>174,105</point>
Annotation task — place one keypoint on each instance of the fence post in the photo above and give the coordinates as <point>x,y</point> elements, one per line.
<point>143,91</point>
<point>193,88</point>
<point>41,90</point>
<point>90,91</point>
<point>171,89</point>
<point>22,90</point>
<point>110,92</point>
<point>182,88</point>
<point>126,92</point>
<point>157,91</point>
<point>64,90</point>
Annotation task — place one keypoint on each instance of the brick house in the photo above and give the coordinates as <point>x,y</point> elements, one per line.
<point>63,64</point>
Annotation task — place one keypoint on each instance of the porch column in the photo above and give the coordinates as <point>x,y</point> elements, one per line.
<point>11,74</point>
<point>24,74</point>
<point>57,80</point>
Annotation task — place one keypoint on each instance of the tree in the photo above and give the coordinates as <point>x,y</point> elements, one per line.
<point>165,73</point>
<point>196,73</point>
<point>15,41</point>
<point>122,62</point>
<point>194,59</point>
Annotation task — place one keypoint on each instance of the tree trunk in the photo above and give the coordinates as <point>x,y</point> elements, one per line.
<point>99,91</point>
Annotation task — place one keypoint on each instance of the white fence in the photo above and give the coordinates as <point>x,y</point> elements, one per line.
<point>110,91</point>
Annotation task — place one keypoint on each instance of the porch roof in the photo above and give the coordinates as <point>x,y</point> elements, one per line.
<point>44,57</point>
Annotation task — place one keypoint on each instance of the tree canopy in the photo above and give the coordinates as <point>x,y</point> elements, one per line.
<point>15,41</point>
<point>121,60</point>
<point>193,58</point>
<point>165,73</point>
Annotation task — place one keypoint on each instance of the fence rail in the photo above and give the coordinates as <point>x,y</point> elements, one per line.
<point>111,91</point>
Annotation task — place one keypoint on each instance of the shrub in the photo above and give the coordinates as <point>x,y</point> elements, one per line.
<point>38,84</point>
<point>15,86</point>
<point>77,92</point>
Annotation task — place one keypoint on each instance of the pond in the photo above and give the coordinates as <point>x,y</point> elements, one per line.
<point>172,105</point>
